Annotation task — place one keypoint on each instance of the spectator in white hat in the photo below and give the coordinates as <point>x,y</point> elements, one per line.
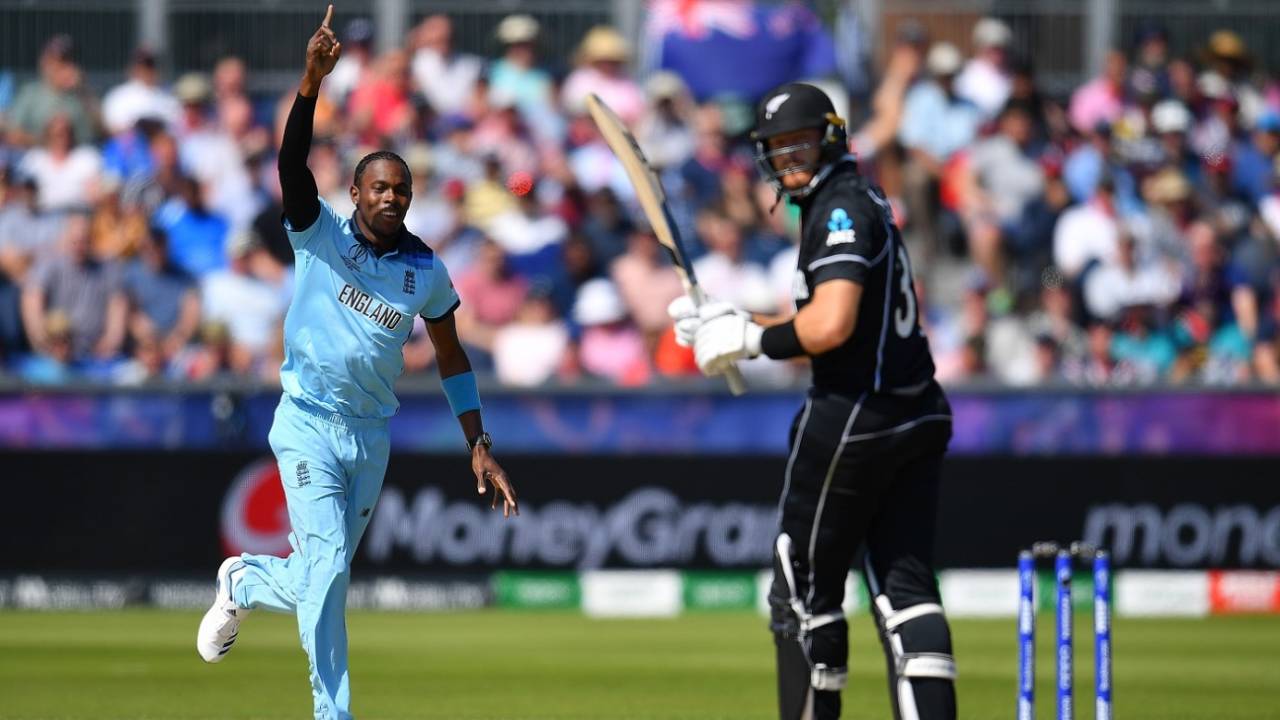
<point>985,80</point>
<point>1171,122</point>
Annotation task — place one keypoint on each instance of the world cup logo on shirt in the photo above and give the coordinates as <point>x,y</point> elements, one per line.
<point>355,255</point>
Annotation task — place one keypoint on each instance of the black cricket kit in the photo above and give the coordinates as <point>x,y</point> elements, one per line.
<point>862,475</point>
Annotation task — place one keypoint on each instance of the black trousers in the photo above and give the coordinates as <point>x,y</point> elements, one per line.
<point>862,477</point>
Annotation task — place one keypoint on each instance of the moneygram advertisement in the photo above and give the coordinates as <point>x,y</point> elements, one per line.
<point>154,515</point>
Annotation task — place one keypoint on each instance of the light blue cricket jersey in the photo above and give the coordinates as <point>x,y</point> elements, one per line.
<point>352,312</point>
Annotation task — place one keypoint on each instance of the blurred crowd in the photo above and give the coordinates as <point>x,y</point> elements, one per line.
<point>1124,234</point>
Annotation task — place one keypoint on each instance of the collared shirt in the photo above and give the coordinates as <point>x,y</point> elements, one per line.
<point>935,123</point>
<point>82,290</point>
<point>352,312</point>
<point>158,292</point>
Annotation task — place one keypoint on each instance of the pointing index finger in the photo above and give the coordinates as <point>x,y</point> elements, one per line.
<point>328,16</point>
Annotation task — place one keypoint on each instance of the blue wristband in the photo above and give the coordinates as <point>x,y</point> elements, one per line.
<point>461,392</point>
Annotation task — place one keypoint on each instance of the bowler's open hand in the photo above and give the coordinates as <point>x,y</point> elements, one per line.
<point>488,471</point>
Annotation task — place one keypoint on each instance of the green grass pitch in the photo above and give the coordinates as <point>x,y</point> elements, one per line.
<point>142,665</point>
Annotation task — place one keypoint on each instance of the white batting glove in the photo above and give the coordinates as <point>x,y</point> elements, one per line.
<point>689,317</point>
<point>723,340</point>
<point>684,313</point>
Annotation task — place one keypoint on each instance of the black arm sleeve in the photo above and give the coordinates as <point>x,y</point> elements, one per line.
<point>781,342</point>
<point>297,185</point>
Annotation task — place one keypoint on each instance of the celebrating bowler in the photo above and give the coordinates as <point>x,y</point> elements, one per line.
<point>359,283</point>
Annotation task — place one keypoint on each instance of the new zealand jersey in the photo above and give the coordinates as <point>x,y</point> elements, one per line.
<point>847,231</point>
<point>352,312</point>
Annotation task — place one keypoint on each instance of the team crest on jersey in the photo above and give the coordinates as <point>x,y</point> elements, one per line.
<point>410,284</point>
<point>840,228</point>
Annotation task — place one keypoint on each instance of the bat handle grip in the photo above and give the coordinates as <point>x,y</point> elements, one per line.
<point>737,385</point>
<point>732,375</point>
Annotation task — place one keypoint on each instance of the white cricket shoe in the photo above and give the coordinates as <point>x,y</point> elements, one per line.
<point>221,624</point>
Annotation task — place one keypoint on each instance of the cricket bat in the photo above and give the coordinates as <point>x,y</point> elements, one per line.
<point>654,203</point>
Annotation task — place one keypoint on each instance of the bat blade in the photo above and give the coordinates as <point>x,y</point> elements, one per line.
<point>653,201</point>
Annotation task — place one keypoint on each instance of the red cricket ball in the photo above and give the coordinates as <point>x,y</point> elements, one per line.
<point>520,183</point>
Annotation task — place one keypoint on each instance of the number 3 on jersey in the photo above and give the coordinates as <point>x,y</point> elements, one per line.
<point>904,318</point>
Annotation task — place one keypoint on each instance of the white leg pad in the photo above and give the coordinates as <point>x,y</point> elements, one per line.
<point>828,678</point>
<point>928,665</point>
<point>911,613</point>
<point>910,665</point>
<point>907,700</point>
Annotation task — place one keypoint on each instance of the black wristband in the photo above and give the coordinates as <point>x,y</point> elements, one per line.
<point>780,342</point>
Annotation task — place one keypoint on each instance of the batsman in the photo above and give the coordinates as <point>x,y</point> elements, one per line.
<point>866,449</point>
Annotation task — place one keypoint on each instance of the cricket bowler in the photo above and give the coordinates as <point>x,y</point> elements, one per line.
<point>359,283</point>
<point>867,447</point>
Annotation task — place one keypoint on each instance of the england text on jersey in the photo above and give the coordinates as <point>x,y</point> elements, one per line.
<point>370,307</point>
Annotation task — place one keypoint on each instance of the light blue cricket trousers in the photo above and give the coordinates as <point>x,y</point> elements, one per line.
<point>332,468</point>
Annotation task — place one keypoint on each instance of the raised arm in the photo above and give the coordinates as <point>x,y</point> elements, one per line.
<point>297,184</point>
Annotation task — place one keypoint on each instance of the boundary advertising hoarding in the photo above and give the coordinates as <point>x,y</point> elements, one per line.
<point>176,514</point>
